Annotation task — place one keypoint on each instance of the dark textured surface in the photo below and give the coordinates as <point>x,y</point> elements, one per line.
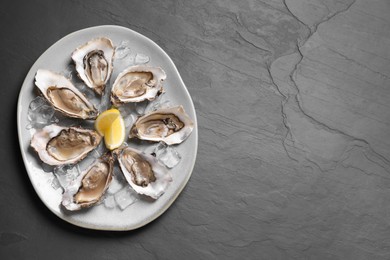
<point>292,98</point>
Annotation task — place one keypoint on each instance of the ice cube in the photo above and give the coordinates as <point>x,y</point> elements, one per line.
<point>165,104</point>
<point>87,91</point>
<point>125,197</point>
<point>100,150</point>
<point>129,60</point>
<point>125,109</point>
<point>65,174</point>
<point>42,116</point>
<point>122,50</point>
<point>141,106</point>
<point>103,104</point>
<point>45,114</point>
<point>153,105</point>
<point>149,149</point>
<point>141,59</point>
<point>157,104</point>
<point>55,183</point>
<point>117,182</point>
<point>109,202</point>
<point>37,102</point>
<point>47,167</point>
<point>81,86</point>
<point>160,148</point>
<point>130,120</point>
<point>167,155</point>
<point>87,162</point>
<point>66,201</point>
<point>40,113</point>
<point>68,72</point>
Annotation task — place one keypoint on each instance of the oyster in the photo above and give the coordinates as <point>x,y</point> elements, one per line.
<point>57,145</point>
<point>136,84</point>
<point>143,172</point>
<point>170,125</point>
<point>88,188</point>
<point>93,62</point>
<point>63,96</point>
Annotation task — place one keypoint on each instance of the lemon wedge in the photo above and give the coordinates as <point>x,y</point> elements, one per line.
<point>110,124</point>
<point>115,135</point>
<point>105,120</point>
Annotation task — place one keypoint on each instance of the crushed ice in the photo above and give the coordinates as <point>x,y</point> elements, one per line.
<point>119,194</point>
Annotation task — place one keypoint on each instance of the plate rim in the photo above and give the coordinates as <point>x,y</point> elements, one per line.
<point>195,133</point>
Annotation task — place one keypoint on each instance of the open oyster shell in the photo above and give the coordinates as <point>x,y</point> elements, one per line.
<point>137,83</point>
<point>57,145</point>
<point>63,96</point>
<point>94,63</point>
<point>143,172</point>
<point>88,188</point>
<point>170,125</point>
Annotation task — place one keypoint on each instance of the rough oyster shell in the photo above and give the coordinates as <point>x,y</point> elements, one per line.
<point>94,63</point>
<point>137,83</point>
<point>63,96</point>
<point>88,188</point>
<point>143,172</point>
<point>57,145</point>
<point>170,125</point>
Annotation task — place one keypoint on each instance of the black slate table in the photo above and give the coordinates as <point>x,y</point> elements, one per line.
<point>292,98</point>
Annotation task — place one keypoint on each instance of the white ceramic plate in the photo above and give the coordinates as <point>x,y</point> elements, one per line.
<point>57,58</point>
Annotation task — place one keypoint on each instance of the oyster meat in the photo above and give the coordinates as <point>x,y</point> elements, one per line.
<point>137,83</point>
<point>143,172</point>
<point>94,63</point>
<point>63,96</point>
<point>88,188</point>
<point>57,145</point>
<point>170,125</point>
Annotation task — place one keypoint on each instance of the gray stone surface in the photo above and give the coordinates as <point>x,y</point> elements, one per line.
<point>292,98</point>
